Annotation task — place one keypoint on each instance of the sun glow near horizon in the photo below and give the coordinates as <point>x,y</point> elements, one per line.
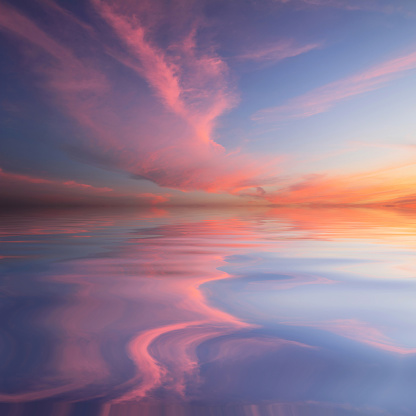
<point>208,102</point>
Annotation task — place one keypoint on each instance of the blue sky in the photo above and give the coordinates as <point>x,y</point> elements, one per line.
<point>228,102</point>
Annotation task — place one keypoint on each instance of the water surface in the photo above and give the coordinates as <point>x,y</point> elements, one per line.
<point>239,311</point>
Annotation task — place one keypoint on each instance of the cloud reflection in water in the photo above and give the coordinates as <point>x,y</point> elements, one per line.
<point>251,312</point>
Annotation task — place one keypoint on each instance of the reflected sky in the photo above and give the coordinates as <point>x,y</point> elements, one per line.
<point>255,311</point>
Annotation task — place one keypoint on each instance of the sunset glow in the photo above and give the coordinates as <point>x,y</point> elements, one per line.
<point>207,207</point>
<point>184,102</point>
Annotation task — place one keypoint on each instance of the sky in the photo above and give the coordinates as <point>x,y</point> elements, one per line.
<point>235,102</point>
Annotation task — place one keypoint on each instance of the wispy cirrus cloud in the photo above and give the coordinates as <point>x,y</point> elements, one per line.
<point>324,98</point>
<point>277,52</point>
<point>73,82</point>
<point>34,180</point>
<point>15,185</point>
<point>383,6</point>
<point>174,148</point>
<point>190,81</point>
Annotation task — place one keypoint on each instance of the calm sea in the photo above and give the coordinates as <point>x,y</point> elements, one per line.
<point>217,312</point>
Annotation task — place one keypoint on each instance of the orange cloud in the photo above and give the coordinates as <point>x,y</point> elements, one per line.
<point>388,186</point>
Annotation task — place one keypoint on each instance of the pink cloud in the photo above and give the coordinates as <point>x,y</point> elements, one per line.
<point>52,6</point>
<point>278,51</point>
<point>16,177</point>
<point>155,198</point>
<point>78,190</point>
<point>190,81</point>
<point>167,137</point>
<point>67,72</point>
<point>324,98</point>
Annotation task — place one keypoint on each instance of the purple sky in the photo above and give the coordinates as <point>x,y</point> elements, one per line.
<point>226,102</point>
